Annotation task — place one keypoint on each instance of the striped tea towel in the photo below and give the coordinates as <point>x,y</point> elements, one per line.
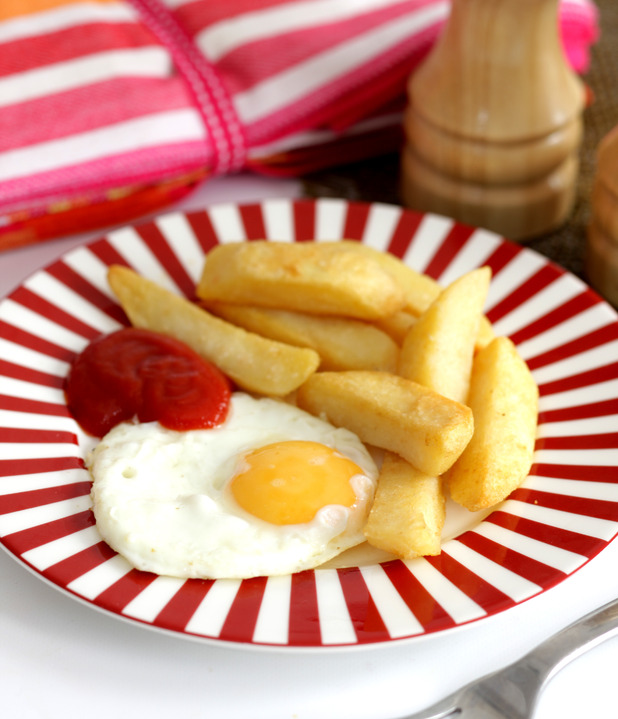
<point>110,109</point>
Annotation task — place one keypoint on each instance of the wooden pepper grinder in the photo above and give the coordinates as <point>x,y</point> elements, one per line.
<point>494,121</point>
<point>602,238</point>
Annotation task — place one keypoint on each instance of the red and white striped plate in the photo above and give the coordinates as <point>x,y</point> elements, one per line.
<point>564,514</point>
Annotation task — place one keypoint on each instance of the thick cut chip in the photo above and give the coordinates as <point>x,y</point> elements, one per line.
<point>397,325</point>
<point>438,349</point>
<point>504,400</point>
<point>342,343</point>
<point>393,413</point>
<point>253,362</point>
<point>419,290</point>
<point>408,511</point>
<point>312,277</point>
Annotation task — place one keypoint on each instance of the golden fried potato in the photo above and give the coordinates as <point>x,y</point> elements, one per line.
<point>393,413</point>
<point>312,277</point>
<point>485,334</point>
<point>504,400</point>
<point>408,511</point>
<point>397,325</point>
<point>419,290</point>
<point>343,343</point>
<point>438,349</point>
<point>253,362</point>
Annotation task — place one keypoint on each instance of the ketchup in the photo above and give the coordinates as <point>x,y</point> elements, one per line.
<point>139,373</point>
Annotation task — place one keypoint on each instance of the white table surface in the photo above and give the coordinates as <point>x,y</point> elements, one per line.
<point>62,658</point>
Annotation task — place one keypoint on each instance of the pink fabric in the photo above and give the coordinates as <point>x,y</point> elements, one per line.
<point>579,30</point>
<point>209,92</point>
<point>250,64</point>
<point>101,98</point>
<point>136,166</point>
<point>28,53</point>
<point>88,108</point>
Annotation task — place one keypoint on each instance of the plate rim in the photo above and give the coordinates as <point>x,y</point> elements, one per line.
<point>306,203</point>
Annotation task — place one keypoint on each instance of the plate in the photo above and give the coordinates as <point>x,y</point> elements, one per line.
<point>563,515</point>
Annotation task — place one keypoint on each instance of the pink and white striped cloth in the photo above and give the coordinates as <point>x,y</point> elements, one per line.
<point>119,105</point>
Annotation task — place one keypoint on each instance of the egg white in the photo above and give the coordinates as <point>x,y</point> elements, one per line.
<point>161,498</point>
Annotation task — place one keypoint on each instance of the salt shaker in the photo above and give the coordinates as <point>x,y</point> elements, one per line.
<point>494,120</point>
<point>602,237</point>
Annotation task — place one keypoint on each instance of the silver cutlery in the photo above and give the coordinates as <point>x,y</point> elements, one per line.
<point>512,692</point>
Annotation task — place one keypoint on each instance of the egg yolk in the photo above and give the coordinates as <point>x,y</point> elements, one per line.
<point>288,482</point>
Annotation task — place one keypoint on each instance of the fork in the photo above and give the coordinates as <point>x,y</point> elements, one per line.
<point>512,692</point>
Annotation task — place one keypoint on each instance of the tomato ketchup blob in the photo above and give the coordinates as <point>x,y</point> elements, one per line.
<point>139,373</point>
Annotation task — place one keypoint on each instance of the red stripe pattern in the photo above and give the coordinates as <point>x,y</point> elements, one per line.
<point>564,514</point>
<point>138,92</point>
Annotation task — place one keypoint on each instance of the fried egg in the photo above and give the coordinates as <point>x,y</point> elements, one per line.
<point>273,490</point>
